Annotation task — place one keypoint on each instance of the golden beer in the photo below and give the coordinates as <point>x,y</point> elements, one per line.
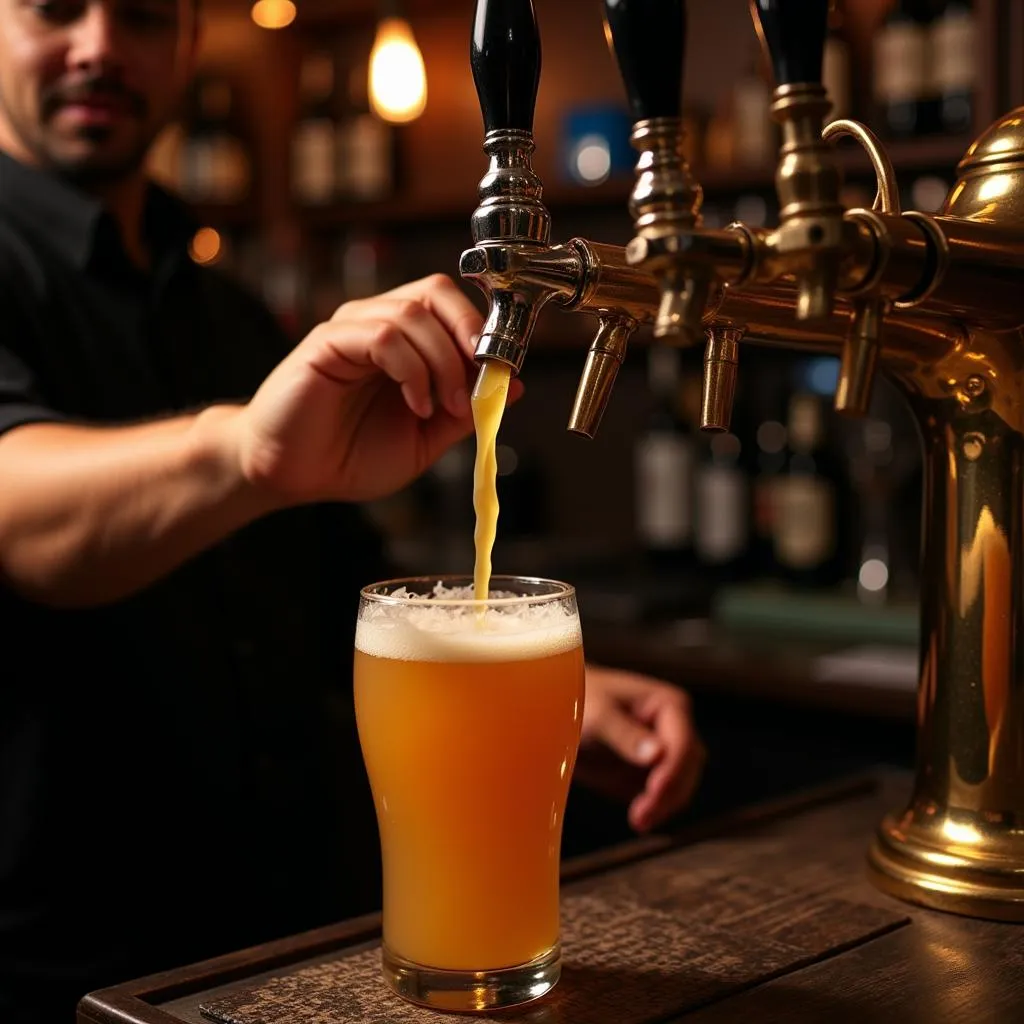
<point>469,718</point>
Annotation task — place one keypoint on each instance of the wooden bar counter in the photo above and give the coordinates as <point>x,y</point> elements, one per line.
<point>762,916</point>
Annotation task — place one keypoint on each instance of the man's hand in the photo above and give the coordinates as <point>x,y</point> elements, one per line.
<point>646,723</point>
<point>367,401</point>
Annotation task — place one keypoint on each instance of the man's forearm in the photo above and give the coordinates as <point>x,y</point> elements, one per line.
<point>89,515</point>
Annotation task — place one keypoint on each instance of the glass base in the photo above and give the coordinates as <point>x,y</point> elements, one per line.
<point>464,991</point>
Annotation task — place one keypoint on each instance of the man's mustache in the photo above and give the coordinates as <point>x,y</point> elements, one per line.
<point>86,90</point>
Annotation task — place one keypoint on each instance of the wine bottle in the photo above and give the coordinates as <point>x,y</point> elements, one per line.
<point>314,141</point>
<point>954,65</point>
<point>902,83</point>
<point>806,533</point>
<point>835,64</point>
<point>664,464</point>
<point>215,165</point>
<point>722,509</point>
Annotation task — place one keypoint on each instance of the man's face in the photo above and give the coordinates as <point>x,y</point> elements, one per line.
<point>86,85</point>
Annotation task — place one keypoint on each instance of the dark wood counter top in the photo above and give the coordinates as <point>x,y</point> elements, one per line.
<point>765,871</point>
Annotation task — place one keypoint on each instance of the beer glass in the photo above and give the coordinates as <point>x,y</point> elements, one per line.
<point>469,716</point>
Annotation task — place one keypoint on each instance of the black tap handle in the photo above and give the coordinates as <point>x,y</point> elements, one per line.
<point>793,32</point>
<point>649,37</point>
<point>505,56</point>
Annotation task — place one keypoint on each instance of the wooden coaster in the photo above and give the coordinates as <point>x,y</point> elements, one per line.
<point>623,963</point>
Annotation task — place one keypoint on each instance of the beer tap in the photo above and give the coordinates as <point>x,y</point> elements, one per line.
<point>513,261</point>
<point>807,180</point>
<point>934,301</point>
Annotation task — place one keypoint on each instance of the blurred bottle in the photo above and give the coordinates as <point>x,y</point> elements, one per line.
<point>314,151</point>
<point>770,462</point>
<point>954,65</point>
<point>720,136</point>
<point>215,164</point>
<point>721,536</point>
<point>664,459</point>
<point>285,279</point>
<point>754,139</point>
<point>366,147</point>
<point>807,499</point>
<point>902,75</point>
<point>835,66</point>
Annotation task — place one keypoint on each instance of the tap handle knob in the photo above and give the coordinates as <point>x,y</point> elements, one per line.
<point>606,354</point>
<point>505,58</point>
<point>793,34</point>
<point>648,38</point>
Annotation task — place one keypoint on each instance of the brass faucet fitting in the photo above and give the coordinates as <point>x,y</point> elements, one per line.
<point>807,180</point>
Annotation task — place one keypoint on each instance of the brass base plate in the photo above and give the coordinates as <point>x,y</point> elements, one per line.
<point>907,862</point>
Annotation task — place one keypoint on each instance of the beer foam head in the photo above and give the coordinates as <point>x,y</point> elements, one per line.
<point>449,626</point>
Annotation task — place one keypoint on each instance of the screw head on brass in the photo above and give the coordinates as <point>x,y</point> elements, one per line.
<point>975,385</point>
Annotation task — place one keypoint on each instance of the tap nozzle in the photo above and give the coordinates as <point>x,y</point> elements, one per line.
<point>721,362</point>
<point>860,356</point>
<point>606,354</point>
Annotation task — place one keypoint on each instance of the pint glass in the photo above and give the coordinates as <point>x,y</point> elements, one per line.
<point>469,717</point>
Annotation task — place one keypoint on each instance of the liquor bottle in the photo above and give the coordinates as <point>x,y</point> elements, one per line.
<point>769,462</point>
<point>835,64</point>
<point>754,141</point>
<point>314,141</point>
<point>215,165</point>
<point>954,65</point>
<point>721,537</point>
<point>664,459</point>
<point>902,77</point>
<point>366,147</point>
<point>807,500</point>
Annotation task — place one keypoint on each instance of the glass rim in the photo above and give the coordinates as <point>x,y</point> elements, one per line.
<point>560,591</point>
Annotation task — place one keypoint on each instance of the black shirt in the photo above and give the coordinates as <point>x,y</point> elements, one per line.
<point>179,771</point>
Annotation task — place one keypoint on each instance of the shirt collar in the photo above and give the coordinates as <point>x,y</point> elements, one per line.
<point>76,225</point>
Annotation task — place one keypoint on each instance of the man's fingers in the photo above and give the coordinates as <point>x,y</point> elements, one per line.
<point>672,780</point>
<point>349,351</point>
<point>431,339</point>
<point>627,737</point>
<point>451,305</point>
<point>668,790</point>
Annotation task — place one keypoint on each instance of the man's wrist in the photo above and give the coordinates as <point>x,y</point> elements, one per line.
<point>216,447</point>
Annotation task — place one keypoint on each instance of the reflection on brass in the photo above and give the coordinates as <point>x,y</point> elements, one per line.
<point>951,290</point>
<point>721,362</point>
<point>990,185</point>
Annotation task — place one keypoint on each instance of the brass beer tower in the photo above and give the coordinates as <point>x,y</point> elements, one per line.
<point>936,302</point>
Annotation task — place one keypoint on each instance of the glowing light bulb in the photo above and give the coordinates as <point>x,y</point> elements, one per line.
<point>273,13</point>
<point>398,79</point>
<point>206,247</point>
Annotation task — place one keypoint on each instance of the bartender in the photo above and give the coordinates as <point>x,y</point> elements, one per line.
<point>181,544</point>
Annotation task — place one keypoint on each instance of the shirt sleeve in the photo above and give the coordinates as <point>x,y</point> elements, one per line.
<point>20,399</point>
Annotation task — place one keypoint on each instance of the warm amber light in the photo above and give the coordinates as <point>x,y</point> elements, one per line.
<point>398,78</point>
<point>206,247</point>
<point>273,13</point>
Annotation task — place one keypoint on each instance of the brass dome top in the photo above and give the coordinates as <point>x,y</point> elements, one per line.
<point>990,185</point>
